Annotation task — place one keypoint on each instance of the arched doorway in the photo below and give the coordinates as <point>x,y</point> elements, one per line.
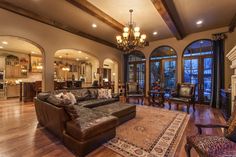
<point>21,60</point>
<point>110,73</point>
<point>75,68</point>
<point>136,68</point>
<point>198,68</point>
<point>163,66</point>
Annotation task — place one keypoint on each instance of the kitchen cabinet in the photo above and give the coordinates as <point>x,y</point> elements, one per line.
<point>13,90</point>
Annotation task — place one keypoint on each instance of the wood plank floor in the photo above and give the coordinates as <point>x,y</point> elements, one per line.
<point>20,136</point>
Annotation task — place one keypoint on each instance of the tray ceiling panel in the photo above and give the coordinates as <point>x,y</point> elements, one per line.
<point>213,13</point>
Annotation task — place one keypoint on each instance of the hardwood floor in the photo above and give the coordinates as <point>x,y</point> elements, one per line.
<point>22,137</point>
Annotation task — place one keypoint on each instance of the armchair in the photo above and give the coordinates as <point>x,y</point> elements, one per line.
<point>211,145</point>
<point>132,91</point>
<point>184,94</point>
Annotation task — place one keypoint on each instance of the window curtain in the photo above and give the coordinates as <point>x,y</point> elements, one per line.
<point>218,68</point>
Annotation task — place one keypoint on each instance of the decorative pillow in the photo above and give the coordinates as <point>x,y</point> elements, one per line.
<point>93,93</point>
<point>43,96</point>
<point>72,112</point>
<point>71,97</point>
<point>60,102</point>
<point>104,93</point>
<point>231,131</point>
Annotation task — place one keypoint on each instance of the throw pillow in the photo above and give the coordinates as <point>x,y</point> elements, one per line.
<point>72,112</point>
<point>231,131</point>
<point>71,97</point>
<point>60,102</point>
<point>102,93</point>
<point>93,93</point>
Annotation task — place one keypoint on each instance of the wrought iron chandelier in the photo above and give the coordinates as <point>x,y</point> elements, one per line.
<point>131,38</point>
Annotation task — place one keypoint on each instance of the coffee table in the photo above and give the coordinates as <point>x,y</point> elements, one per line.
<point>123,111</point>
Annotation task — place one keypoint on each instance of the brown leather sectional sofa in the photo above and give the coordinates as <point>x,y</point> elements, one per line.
<point>95,125</point>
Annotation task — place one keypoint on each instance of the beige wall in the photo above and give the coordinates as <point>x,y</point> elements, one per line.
<point>179,46</point>
<point>52,39</point>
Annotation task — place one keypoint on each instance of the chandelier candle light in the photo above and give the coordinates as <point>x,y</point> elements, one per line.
<point>131,37</point>
<point>66,66</point>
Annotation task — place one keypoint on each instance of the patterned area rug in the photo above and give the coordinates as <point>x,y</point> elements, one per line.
<point>154,132</point>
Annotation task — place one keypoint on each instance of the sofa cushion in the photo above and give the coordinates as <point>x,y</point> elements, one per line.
<point>89,124</point>
<point>212,145</point>
<point>117,109</point>
<point>187,100</point>
<point>97,102</point>
<point>43,96</point>
<point>60,102</point>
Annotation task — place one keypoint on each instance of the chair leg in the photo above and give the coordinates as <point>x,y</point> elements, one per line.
<point>169,102</point>
<point>188,150</point>
<point>194,107</point>
<point>188,106</point>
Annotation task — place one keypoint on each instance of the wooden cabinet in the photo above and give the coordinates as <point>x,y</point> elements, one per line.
<point>225,96</point>
<point>13,91</point>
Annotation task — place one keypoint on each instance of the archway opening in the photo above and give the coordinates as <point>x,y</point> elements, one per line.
<point>136,69</point>
<point>198,68</point>
<point>21,65</point>
<point>75,69</point>
<point>163,66</point>
<point>110,74</point>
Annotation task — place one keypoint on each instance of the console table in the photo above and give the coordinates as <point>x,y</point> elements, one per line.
<point>156,97</point>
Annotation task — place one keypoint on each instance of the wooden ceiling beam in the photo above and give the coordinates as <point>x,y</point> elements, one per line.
<point>46,20</point>
<point>96,12</point>
<point>232,24</point>
<point>165,9</point>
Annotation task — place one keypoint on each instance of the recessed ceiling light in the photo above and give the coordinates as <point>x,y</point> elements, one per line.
<point>154,33</point>
<point>1,47</point>
<point>33,52</point>
<point>199,22</point>
<point>94,25</point>
<point>60,56</point>
<point>77,59</point>
<point>79,52</point>
<point>86,57</point>
<point>4,42</point>
<point>201,42</point>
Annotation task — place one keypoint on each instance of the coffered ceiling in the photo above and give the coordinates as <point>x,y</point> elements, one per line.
<point>170,18</point>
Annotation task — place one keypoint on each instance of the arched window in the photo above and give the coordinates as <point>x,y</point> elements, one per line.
<point>197,68</point>
<point>163,67</point>
<point>136,68</point>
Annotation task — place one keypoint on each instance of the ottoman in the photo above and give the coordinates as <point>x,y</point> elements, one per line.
<point>122,111</point>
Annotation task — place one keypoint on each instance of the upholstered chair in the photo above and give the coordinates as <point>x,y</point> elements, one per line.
<point>212,145</point>
<point>132,91</point>
<point>184,94</point>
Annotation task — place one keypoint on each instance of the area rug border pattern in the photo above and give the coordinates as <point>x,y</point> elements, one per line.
<point>178,125</point>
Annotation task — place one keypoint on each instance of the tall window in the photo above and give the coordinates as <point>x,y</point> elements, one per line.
<point>136,68</point>
<point>197,68</point>
<point>163,67</point>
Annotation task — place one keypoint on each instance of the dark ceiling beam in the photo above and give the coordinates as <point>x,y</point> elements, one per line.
<point>232,24</point>
<point>168,12</point>
<point>29,14</point>
<point>96,12</point>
